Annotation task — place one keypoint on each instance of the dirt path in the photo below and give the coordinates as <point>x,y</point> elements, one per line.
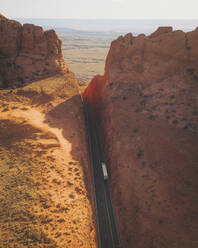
<point>35,118</point>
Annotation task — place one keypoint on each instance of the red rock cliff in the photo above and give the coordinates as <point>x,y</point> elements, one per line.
<point>147,107</point>
<point>27,53</point>
<point>46,189</point>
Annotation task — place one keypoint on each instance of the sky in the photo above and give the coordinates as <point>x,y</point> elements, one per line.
<point>100,9</point>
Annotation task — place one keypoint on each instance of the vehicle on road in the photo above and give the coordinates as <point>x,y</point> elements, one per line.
<point>104,170</point>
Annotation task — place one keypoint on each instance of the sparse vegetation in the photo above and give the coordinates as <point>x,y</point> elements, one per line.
<point>190,70</point>
<point>140,153</point>
<point>175,122</point>
<point>135,130</point>
<point>143,164</point>
<point>124,97</point>
<point>152,117</point>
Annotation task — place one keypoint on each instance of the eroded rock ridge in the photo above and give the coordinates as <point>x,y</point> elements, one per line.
<point>147,108</point>
<point>27,53</point>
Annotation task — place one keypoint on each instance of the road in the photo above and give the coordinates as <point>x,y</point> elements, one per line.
<point>106,224</point>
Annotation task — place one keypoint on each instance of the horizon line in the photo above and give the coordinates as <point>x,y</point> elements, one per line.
<point>121,19</point>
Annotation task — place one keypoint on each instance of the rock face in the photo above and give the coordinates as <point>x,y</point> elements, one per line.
<point>27,53</point>
<point>46,191</point>
<point>147,107</point>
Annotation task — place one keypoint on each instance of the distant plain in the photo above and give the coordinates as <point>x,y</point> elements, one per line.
<point>85,52</point>
<point>86,42</point>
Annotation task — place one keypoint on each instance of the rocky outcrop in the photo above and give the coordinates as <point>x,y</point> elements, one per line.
<point>28,53</point>
<point>147,108</point>
<point>47,194</point>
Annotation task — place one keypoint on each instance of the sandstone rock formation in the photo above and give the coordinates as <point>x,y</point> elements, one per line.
<point>27,53</point>
<point>147,108</point>
<point>45,185</point>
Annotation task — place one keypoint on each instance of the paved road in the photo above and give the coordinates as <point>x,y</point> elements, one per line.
<point>107,230</point>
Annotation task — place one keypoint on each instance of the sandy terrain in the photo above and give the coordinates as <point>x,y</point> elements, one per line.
<point>46,193</point>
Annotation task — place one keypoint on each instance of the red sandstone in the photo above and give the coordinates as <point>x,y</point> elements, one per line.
<point>28,53</point>
<point>147,108</point>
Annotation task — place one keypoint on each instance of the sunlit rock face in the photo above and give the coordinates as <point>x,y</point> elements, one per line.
<point>27,53</point>
<point>147,108</point>
<point>46,195</point>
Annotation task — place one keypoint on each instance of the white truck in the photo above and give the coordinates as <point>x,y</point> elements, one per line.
<point>104,170</point>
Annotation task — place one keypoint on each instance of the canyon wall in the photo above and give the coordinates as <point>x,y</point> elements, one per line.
<point>46,190</point>
<point>28,53</point>
<point>147,109</point>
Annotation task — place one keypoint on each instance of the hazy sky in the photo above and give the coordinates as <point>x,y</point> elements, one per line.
<point>120,9</point>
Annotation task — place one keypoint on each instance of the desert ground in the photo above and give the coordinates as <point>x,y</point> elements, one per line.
<point>44,169</point>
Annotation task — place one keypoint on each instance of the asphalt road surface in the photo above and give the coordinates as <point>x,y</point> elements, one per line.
<point>106,224</point>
